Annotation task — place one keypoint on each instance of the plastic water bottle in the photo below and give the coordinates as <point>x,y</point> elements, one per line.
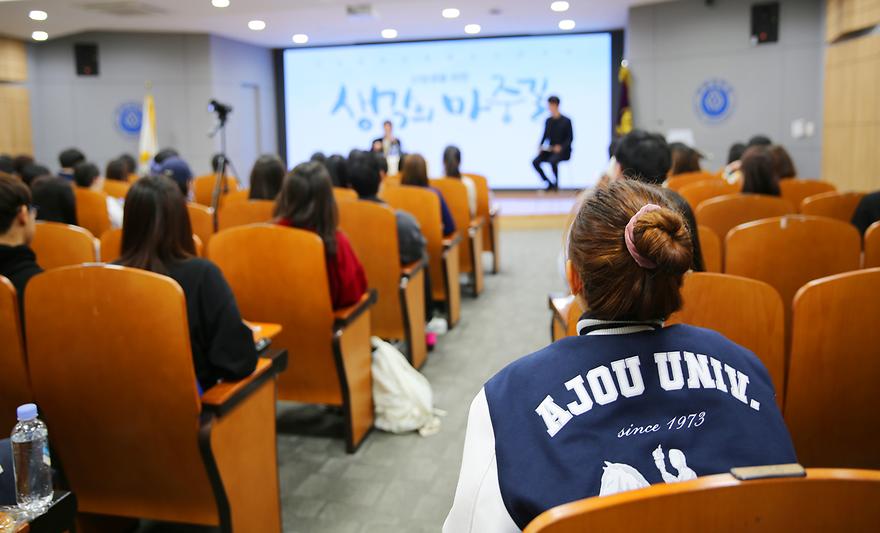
<point>31,462</point>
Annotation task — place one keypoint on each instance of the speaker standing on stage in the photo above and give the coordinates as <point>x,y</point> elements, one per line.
<point>388,144</point>
<point>558,134</point>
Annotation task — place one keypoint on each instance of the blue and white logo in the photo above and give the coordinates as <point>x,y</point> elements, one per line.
<point>128,118</point>
<point>714,100</point>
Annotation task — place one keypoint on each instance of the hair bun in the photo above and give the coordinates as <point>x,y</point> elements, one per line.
<point>663,237</point>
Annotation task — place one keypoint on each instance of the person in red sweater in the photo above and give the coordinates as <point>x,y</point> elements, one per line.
<point>306,202</point>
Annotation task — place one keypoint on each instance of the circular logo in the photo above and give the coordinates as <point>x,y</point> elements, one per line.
<point>714,100</point>
<point>128,118</point>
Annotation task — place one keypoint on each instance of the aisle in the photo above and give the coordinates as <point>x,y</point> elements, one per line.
<point>406,483</point>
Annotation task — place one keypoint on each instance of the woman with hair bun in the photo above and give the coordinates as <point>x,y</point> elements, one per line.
<point>628,402</point>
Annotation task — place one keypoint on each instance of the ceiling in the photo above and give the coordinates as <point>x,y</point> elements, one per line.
<point>324,21</point>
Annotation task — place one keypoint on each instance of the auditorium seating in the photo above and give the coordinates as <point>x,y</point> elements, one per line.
<point>696,192</point>
<point>470,230</point>
<point>279,275</point>
<point>795,190</point>
<point>111,245</point>
<point>831,401</point>
<point>399,312</point>
<point>203,189</point>
<point>710,247</point>
<point>237,196</point>
<point>201,219</point>
<point>117,387</point>
<point>746,311</point>
<point>823,500</point>
<point>243,213</point>
<point>492,226</point>
<point>91,210</point>
<point>565,310</point>
<point>14,382</point>
<point>57,245</point>
<point>871,256</point>
<point>115,188</point>
<point>837,205</point>
<point>687,178</point>
<point>723,213</point>
<point>341,194</point>
<point>443,263</point>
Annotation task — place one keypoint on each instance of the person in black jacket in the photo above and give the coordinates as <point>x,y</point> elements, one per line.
<point>157,236</point>
<point>17,223</point>
<point>559,134</point>
<point>867,212</point>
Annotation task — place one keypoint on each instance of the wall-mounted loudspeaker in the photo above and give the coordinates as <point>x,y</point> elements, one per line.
<point>86,55</point>
<point>765,23</point>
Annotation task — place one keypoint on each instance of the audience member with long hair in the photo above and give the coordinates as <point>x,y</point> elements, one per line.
<point>157,236</point>
<point>684,159</point>
<point>759,172</point>
<point>306,202</point>
<point>266,178</point>
<point>782,162</point>
<point>452,164</point>
<point>415,173</point>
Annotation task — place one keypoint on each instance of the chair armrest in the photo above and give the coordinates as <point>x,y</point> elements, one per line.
<point>224,396</point>
<point>559,302</point>
<point>493,211</point>
<point>345,316</point>
<point>410,270</point>
<point>475,226</point>
<point>450,243</point>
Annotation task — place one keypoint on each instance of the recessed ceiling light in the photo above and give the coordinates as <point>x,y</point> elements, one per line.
<point>559,7</point>
<point>472,29</point>
<point>566,24</point>
<point>300,38</point>
<point>451,13</point>
<point>39,36</point>
<point>38,15</point>
<point>220,3</point>
<point>257,25</point>
<point>389,33</point>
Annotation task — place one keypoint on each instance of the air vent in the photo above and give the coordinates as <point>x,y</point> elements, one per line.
<point>123,8</point>
<point>360,11</point>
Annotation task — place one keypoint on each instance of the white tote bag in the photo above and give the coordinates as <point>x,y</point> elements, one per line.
<point>402,396</point>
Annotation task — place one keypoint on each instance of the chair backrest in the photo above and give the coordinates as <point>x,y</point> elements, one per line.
<point>697,192</point>
<point>871,257</point>
<point>203,188</point>
<point>789,251</point>
<point>244,213</point>
<point>201,219</point>
<point>57,245</point>
<point>278,275</point>
<point>746,311</point>
<point>341,194</point>
<point>723,213</point>
<point>117,387</point>
<point>483,206</point>
<point>424,205</point>
<point>237,196</point>
<point>111,245</point>
<point>680,180</point>
<point>455,194</point>
<point>710,246</point>
<point>837,205</point>
<point>15,387</point>
<point>116,188</point>
<point>831,401</point>
<point>796,189</point>
<point>91,210</point>
<point>372,230</point>
<point>823,500</point>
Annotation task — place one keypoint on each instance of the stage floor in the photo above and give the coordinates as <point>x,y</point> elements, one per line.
<point>534,209</point>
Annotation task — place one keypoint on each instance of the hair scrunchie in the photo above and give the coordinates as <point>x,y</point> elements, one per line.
<point>641,260</point>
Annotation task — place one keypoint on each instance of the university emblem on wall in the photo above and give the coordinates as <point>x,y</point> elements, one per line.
<point>128,119</point>
<point>714,101</point>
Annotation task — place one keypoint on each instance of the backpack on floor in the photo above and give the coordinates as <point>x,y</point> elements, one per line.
<point>402,396</point>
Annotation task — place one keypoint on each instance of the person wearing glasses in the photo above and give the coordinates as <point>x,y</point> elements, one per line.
<point>18,262</point>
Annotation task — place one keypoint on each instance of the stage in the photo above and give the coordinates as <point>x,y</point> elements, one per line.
<point>534,209</point>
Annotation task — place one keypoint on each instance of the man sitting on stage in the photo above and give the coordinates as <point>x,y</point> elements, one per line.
<point>555,144</point>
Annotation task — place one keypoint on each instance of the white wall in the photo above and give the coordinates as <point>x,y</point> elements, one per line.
<point>673,48</point>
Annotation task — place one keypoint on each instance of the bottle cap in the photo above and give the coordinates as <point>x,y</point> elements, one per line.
<point>27,411</point>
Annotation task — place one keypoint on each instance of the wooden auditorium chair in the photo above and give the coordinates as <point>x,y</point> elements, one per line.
<point>795,190</point>
<point>747,311</point>
<point>117,388</point>
<point>831,401</point>
<point>15,387</point>
<point>279,275</point>
<point>341,194</point>
<point>871,256</point>
<point>57,245</point>
<point>820,501</point>
<point>836,205</point>
<point>565,310</point>
<point>443,254</point>
<point>723,213</point>
<point>697,192</point>
<point>235,214</point>
<point>116,188</point>
<point>91,210</point>
<point>203,189</point>
<point>710,247</point>
<point>399,313</point>
<point>111,245</point>
<point>686,178</point>
<point>492,225</point>
<point>201,219</point>
<point>469,229</point>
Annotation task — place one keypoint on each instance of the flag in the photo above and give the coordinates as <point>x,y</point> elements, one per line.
<point>148,144</point>
<point>624,113</point>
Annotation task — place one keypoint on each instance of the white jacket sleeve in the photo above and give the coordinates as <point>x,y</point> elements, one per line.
<point>478,506</point>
